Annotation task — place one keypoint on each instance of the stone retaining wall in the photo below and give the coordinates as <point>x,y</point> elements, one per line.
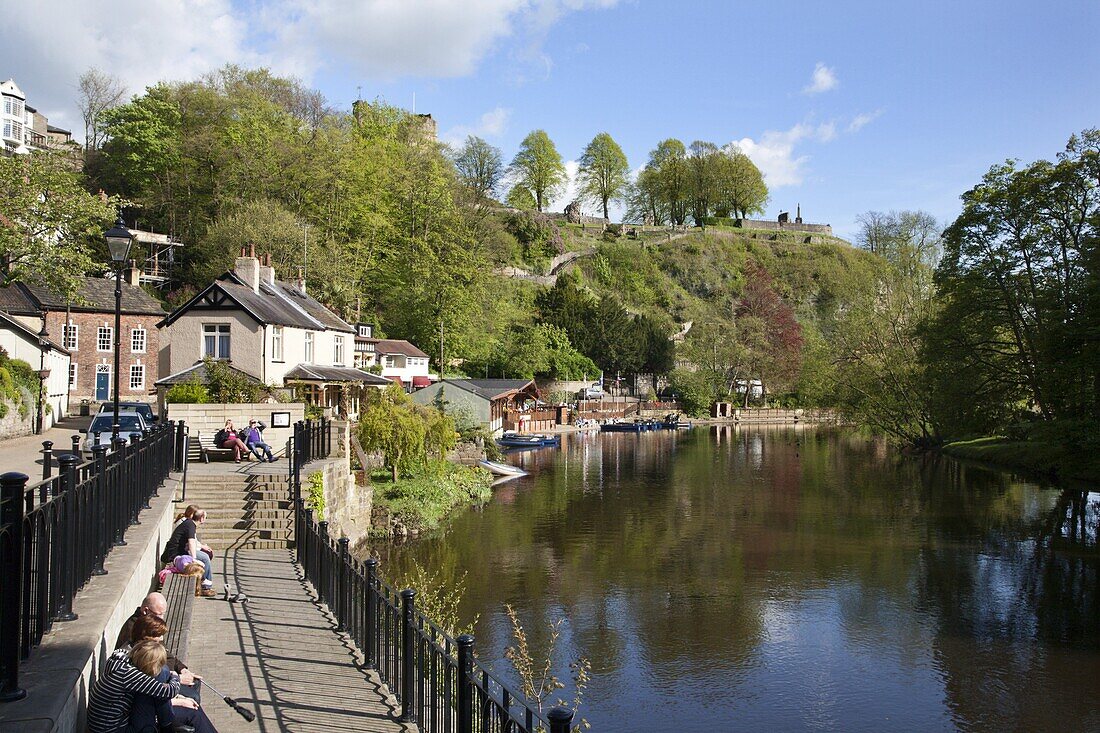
<point>210,418</point>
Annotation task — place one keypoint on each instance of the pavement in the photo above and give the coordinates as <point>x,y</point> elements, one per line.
<point>280,656</point>
<point>24,453</point>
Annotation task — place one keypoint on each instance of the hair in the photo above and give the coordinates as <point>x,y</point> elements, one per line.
<point>148,627</point>
<point>187,513</point>
<point>194,568</point>
<point>149,656</point>
<point>198,515</point>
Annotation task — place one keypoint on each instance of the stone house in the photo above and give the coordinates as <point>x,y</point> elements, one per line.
<point>400,360</point>
<point>85,328</point>
<point>269,329</point>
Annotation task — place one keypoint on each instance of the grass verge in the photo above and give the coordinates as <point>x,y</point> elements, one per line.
<point>1045,457</point>
<point>424,501</point>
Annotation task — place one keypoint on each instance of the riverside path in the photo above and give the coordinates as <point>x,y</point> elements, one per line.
<point>280,655</point>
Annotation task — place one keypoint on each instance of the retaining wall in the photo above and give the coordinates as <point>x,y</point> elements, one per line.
<point>210,418</point>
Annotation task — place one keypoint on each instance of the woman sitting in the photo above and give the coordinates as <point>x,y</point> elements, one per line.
<point>149,714</point>
<point>112,695</point>
<point>227,438</point>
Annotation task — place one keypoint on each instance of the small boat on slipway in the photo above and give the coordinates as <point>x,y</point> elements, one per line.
<point>502,469</point>
<point>527,440</point>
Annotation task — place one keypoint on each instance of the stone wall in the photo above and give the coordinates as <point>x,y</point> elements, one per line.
<point>210,418</point>
<point>12,424</point>
<point>347,503</point>
<point>783,227</point>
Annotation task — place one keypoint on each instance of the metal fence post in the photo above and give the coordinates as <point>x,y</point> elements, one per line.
<point>122,478</point>
<point>324,576</point>
<point>465,683</point>
<point>76,445</point>
<point>101,503</point>
<point>63,539</point>
<point>342,595</point>
<point>12,487</point>
<point>47,458</point>
<point>560,720</point>
<point>408,656</point>
<point>371,636</point>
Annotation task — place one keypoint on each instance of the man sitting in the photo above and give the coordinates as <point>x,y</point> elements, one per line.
<point>253,437</point>
<point>184,541</point>
<point>156,605</point>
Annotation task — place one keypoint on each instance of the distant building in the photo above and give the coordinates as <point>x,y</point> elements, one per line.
<point>492,402</point>
<point>42,352</point>
<point>22,128</point>
<point>399,360</point>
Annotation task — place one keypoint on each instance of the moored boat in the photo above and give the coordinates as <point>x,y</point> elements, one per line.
<point>501,469</point>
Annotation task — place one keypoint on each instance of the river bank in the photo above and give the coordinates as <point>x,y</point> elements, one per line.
<point>1044,457</point>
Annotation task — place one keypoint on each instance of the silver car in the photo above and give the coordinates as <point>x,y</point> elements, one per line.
<point>103,423</point>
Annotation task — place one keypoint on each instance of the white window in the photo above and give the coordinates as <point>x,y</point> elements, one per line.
<point>389,361</point>
<point>16,131</point>
<point>137,377</point>
<point>277,343</point>
<point>338,350</point>
<point>137,340</point>
<point>71,336</point>
<point>365,331</point>
<point>104,338</point>
<point>72,376</point>
<point>7,129</point>
<point>370,348</point>
<point>309,347</point>
<point>215,340</point>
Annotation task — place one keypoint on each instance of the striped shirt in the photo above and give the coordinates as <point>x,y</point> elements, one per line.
<point>113,693</point>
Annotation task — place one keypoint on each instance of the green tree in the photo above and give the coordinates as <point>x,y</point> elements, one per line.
<point>265,224</point>
<point>48,223</point>
<point>404,433</point>
<point>519,197</point>
<point>480,167</point>
<point>739,186</point>
<point>702,182</point>
<point>603,171</point>
<point>668,161</point>
<point>538,167</point>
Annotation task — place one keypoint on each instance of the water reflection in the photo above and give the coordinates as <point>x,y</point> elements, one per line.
<point>791,579</point>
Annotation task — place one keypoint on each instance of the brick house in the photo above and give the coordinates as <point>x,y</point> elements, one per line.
<point>85,327</point>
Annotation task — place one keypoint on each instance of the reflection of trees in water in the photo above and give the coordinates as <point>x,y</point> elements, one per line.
<point>665,549</point>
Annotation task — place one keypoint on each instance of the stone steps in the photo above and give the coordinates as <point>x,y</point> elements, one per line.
<point>243,510</point>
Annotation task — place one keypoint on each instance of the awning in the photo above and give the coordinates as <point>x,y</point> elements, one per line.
<point>397,379</point>
<point>419,381</point>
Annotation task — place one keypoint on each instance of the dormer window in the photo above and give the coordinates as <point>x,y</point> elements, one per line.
<point>365,331</point>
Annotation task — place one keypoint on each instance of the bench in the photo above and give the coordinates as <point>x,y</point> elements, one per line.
<point>179,591</point>
<point>207,448</point>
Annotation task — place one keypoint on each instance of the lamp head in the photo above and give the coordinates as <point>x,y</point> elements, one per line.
<point>119,239</point>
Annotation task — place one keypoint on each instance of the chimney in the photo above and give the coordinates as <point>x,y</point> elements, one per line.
<point>267,272</point>
<point>301,280</point>
<point>247,268</point>
<point>133,274</point>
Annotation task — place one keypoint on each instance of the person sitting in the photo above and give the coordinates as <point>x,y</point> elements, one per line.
<point>184,541</point>
<point>227,438</point>
<point>112,695</point>
<point>155,605</point>
<point>253,436</point>
<point>147,714</point>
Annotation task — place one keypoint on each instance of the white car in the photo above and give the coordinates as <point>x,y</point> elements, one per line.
<point>103,423</point>
<point>595,392</point>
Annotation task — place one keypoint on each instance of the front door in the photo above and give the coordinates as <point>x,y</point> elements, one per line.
<point>102,383</point>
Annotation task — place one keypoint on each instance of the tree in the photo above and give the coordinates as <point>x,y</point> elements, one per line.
<point>405,433</point>
<point>97,92</point>
<point>603,171</point>
<point>668,161</point>
<point>270,227</point>
<point>480,167</point>
<point>538,167</point>
<point>643,199</point>
<point>769,333</point>
<point>703,170</point>
<point>519,197</point>
<point>48,223</point>
<point>739,186</point>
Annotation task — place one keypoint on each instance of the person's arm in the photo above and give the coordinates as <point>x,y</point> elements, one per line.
<point>134,680</point>
<point>193,548</point>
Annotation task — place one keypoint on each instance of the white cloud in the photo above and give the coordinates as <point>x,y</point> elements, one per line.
<point>491,124</point>
<point>863,119</point>
<point>145,41</point>
<point>823,80</point>
<point>774,153</point>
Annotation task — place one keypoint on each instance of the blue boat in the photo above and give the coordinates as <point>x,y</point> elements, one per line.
<point>519,441</point>
<point>622,427</point>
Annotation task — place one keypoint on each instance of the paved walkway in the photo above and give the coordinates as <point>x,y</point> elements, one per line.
<point>24,453</point>
<point>280,656</point>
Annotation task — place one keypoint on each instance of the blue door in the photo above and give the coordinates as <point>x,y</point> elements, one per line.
<point>102,385</point>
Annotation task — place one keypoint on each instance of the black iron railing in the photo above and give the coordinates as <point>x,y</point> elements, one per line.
<point>55,534</point>
<point>440,685</point>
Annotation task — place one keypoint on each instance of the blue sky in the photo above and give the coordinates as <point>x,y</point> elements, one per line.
<point>846,106</point>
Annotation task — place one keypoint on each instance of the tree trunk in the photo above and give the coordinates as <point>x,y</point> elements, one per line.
<point>393,473</point>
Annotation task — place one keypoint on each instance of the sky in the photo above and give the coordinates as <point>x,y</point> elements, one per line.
<point>846,106</point>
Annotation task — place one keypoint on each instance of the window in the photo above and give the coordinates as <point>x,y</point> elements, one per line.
<point>103,338</point>
<point>16,131</point>
<point>72,376</point>
<point>71,336</point>
<point>7,129</point>
<point>338,350</point>
<point>137,340</point>
<point>370,348</point>
<point>215,340</point>
<point>276,343</point>
<point>389,361</point>
<point>137,377</point>
<point>365,331</point>
<point>309,347</point>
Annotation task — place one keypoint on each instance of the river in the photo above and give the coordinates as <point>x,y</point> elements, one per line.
<point>724,579</point>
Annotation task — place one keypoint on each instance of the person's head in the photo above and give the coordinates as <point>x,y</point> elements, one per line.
<point>149,656</point>
<point>154,604</point>
<point>199,516</point>
<point>148,627</point>
<point>187,513</point>
<point>228,424</point>
<point>252,423</point>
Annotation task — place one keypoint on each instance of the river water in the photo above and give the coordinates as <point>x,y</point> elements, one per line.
<point>724,579</point>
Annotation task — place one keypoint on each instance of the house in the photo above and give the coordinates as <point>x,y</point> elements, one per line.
<point>495,403</point>
<point>84,326</point>
<point>45,356</point>
<point>400,361</point>
<point>22,128</point>
<point>271,330</point>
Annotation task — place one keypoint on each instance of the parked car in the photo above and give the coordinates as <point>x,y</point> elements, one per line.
<point>142,408</point>
<point>595,392</point>
<point>103,423</point>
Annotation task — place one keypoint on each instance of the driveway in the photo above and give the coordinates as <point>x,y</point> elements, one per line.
<point>24,454</point>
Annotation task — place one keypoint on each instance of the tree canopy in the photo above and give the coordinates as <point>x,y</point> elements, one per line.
<point>538,167</point>
<point>603,171</point>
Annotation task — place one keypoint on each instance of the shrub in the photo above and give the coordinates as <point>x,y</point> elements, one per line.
<point>315,494</point>
<point>188,393</point>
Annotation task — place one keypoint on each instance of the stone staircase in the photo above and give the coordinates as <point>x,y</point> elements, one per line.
<point>243,510</point>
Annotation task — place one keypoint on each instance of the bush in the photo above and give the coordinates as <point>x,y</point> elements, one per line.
<point>188,393</point>
<point>315,494</point>
<point>422,501</point>
<point>693,390</point>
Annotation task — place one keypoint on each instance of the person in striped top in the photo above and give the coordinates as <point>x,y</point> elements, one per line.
<point>113,693</point>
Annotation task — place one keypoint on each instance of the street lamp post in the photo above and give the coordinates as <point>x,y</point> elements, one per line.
<point>43,375</point>
<point>119,239</point>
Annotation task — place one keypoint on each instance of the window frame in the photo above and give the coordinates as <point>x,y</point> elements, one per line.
<point>307,347</point>
<point>110,331</point>
<point>144,339</point>
<point>74,373</point>
<point>338,350</point>
<point>141,382</point>
<point>70,336</point>
<point>219,332</point>
<point>278,351</point>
